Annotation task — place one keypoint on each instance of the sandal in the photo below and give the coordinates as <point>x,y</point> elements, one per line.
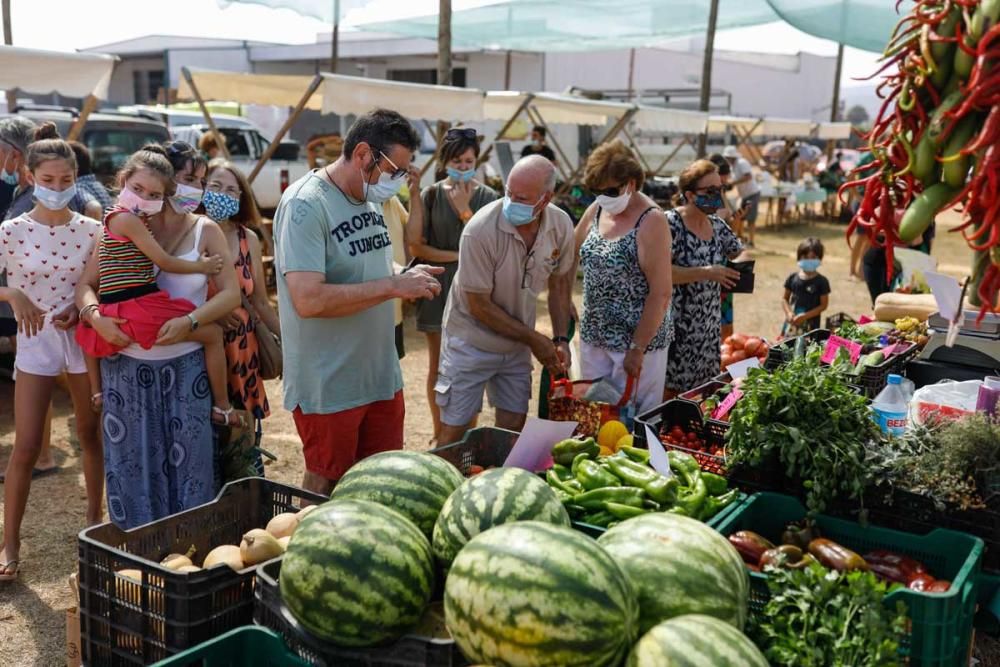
<point>97,403</point>
<point>16,564</point>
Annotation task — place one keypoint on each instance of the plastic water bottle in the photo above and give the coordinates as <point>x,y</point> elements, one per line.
<point>891,407</point>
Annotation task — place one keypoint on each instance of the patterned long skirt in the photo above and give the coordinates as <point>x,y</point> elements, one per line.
<point>159,446</point>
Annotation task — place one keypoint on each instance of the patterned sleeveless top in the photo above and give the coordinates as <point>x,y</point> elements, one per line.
<point>615,290</point>
<point>125,272</point>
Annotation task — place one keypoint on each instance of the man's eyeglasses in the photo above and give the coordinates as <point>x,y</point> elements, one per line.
<point>529,264</point>
<point>609,192</point>
<point>468,133</point>
<point>398,173</point>
<point>216,186</point>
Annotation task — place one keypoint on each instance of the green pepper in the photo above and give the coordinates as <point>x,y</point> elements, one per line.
<point>680,511</point>
<point>562,471</point>
<point>623,495</point>
<point>624,511</point>
<point>663,489</point>
<point>659,488</point>
<point>574,510</point>
<point>570,486</point>
<point>592,476</point>
<point>601,518</point>
<point>691,499</point>
<point>714,505</point>
<point>716,484</point>
<point>563,496</point>
<point>636,454</point>
<point>564,451</point>
<point>684,466</point>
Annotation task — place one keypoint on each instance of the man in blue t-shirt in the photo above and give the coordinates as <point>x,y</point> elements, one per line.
<point>333,259</point>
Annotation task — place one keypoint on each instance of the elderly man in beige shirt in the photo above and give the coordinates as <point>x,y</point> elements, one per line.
<point>510,251</point>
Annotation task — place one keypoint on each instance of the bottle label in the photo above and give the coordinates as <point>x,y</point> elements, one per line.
<point>892,423</point>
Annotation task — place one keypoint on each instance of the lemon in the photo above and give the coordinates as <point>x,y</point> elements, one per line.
<point>611,432</point>
<point>624,441</point>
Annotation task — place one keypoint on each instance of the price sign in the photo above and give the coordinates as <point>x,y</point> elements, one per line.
<point>834,343</point>
<point>727,404</point>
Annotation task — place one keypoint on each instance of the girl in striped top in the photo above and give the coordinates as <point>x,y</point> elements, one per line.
<point>128,293</point>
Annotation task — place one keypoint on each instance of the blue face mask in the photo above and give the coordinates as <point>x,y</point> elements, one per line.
<point>460,176</point>
<point>10,178</point>
<point>54,200</point>
<point>219,206</point>
<point>809,265</point>
<point>517,213</point>
<point>708,203</point>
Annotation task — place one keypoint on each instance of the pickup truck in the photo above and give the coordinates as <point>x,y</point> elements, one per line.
<point>246,144</point>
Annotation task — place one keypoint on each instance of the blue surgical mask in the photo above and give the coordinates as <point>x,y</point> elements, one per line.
<point>9,177</point>
<point>219,206</point>
<point>708,203</point>
<point>810,265</point>
<point>385,189</point>
<point>54,200</point>
<point>460,176</point>
<point>517,213</point>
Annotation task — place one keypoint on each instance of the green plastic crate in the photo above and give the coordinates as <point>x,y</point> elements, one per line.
<point>941,623</point>
<point>249,645</point>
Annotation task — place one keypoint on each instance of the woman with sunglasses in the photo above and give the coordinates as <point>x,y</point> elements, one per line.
<point>621,241</point>
<point>702,245</point>
<point>433,230</point>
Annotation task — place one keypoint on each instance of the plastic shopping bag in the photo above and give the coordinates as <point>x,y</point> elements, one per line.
<point>944,401</point>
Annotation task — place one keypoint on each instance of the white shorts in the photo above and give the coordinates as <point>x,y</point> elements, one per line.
<point>51,352</point>
<point>596,362</point>
<point>465,371</point>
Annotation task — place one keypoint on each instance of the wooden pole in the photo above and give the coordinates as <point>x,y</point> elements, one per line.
<point>635,149</point>
<point>485,155</point>
<point>444,43</point>
<point>506,71</point>
<point>8,39</point>
<point>220,140</point>
<point>335,38</point>
<point>89,105</point>
<point>615,129</point>
<point>273,146</point>
<point>666,160</point>
<point>706,70</point>
<point>536,118</point>
<point>835,103</point>
<point>631,73</point>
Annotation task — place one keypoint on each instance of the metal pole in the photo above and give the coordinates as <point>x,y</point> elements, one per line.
<point>8,39</point>
<point>706,70</point>
<point>220,140</point>
<point>334,44</point>
<point>273,146</point>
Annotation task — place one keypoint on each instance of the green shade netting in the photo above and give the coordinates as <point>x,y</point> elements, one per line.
<point>579,25</point>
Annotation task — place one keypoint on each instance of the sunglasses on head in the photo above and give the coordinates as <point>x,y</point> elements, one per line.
<point>467,133</point>
<point>610,192</point>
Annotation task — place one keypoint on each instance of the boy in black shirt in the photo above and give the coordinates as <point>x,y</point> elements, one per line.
<point>807,293</point>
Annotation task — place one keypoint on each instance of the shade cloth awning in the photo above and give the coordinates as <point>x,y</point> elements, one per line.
<point>283,90</point>
<point>670,121</point>
<point>43,72</point>
<point>761,127</point>
<point>554,107</point>
<point>833,131</point>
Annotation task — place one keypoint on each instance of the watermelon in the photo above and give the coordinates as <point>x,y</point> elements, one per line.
<point>532,593</point>
<point>489,499</point>
<point>357,573</point>
<point>695,640</point>
<point>679,566</point>
<point>415,484</point>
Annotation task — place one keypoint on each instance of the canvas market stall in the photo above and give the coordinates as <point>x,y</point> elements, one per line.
<point>71,74</point>
<point>330,93</point>
<point>662,121</point>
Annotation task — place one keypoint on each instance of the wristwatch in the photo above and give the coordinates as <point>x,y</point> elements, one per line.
<point>560,339</point>
<point>194,322</point>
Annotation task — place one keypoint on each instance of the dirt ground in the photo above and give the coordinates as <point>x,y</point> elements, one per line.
<point>32,610</point>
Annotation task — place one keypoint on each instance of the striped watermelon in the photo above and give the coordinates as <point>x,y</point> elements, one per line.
<point>695,640</point>
<point>531,593</point>
<point>489,499</point>
<point>679,566</point>
<point>415,484</point>
<point>357,573</point>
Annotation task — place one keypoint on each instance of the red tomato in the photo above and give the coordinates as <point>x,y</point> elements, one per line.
<point>920,582</point>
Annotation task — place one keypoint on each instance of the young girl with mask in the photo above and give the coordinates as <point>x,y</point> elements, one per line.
<point>127,255</point>
<point>433,230</point>
<point>621,242</point>
<point>807,293</point>
<point>702,244</point>
<point>45,251</point>
<point>229,202</point>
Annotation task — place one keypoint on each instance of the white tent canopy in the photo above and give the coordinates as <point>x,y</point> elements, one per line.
<point>43,72</point>
<point>339,94</point>
<point>670,121</point>
<point>761,127</point>
<point>554,107</point>
<point>833,131</point>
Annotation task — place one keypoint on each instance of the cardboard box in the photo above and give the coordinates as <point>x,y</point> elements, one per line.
<point>73,656</point>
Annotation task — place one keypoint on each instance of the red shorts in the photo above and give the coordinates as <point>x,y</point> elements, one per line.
<point>333,442</point>
<point>145,316</point>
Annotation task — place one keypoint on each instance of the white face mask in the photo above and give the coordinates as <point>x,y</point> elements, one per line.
<point>615,205</point>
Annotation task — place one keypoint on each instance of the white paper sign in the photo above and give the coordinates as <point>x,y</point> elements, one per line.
<point>947,293</point>
<point>741,368</point>
<point>657,455</point>
<point>533,448</point>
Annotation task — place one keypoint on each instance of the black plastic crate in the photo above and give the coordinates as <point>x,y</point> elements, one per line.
<point>687,415</point>
<point>410,651</point>
<point>716,427</point>
<point>126,622</point>
<point>486,447</point>
<point>834,321</point>
<point>782,353</point>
